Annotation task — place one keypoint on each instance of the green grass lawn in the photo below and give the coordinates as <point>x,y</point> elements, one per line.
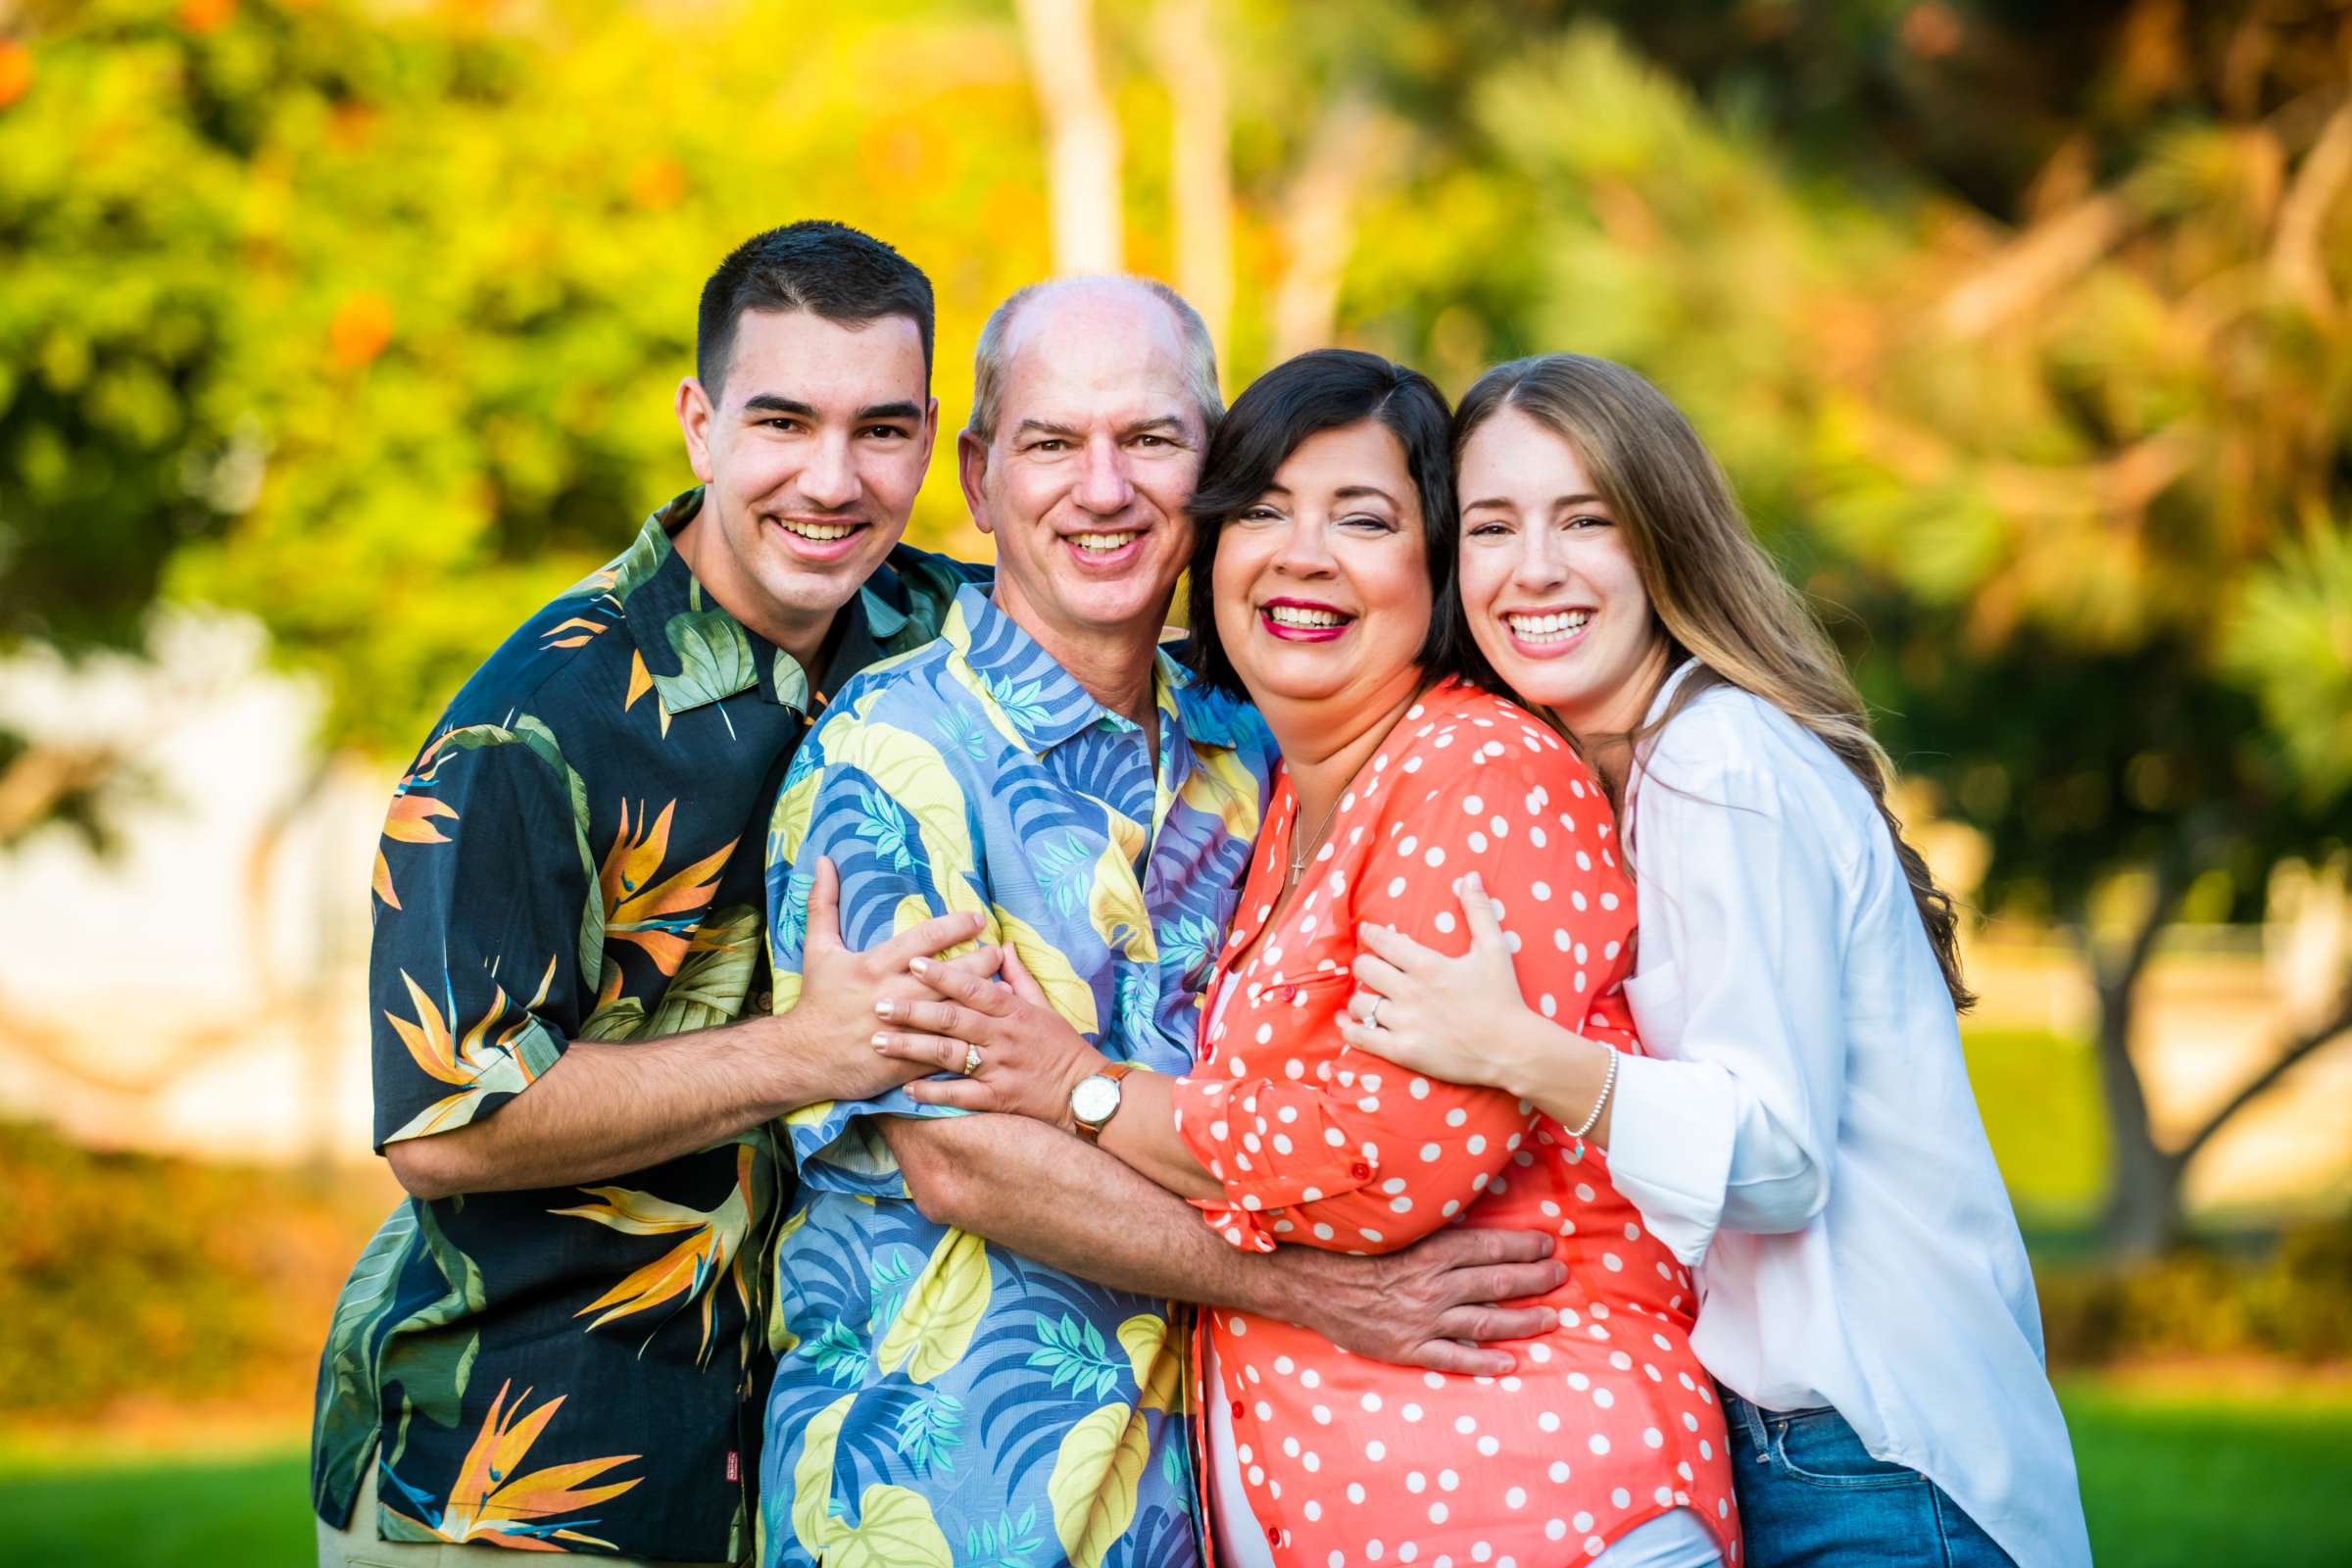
<point>2168,1478</point>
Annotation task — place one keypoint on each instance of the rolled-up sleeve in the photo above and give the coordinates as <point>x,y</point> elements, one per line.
<point>1732,1118</point>
<point>1355,1154</point>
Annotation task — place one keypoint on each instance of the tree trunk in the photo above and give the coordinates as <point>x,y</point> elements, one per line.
<point>1082,135</point>
<point>1350,146</point>
<point>1199,160</point>
<point>2142,1215</point>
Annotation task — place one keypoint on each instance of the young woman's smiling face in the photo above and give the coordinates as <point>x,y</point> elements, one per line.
<point>1322,583</point>
<point>1549,583</point>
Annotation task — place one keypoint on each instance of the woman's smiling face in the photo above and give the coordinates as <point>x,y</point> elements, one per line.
<point>1322,583</point>
<point>1550,585</point>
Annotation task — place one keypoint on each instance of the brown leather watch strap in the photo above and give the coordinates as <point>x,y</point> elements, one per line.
<point>1114,1072</point>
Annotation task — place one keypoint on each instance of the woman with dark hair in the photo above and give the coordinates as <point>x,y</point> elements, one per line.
<point>1802,1132</point>
<point>1326,538</point>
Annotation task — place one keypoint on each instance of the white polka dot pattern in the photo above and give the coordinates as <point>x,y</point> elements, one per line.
<point>1577,1447</point>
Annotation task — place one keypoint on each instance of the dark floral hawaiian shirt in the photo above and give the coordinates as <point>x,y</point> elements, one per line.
<point>577,854</point>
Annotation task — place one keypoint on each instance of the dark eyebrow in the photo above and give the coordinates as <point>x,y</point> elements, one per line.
<point>771,403</point>
<point>1580,499</point>
<point>1167,421</point>
<point>888,411</point>
<point>1356,491</point>
<point>1041,427</point>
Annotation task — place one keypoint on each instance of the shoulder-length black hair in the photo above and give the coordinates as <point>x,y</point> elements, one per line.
<point>1329,389</point>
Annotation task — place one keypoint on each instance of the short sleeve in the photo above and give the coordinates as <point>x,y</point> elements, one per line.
<point>886,807</point>
<point>481,899</point>
<point>1359,1155</point>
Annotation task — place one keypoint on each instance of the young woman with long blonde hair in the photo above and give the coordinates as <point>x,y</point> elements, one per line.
<point>1800,1129</point>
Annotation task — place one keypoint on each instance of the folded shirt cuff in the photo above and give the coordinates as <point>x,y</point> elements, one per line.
<point>1671,1136</point>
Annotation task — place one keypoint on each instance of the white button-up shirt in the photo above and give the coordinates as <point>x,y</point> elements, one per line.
<point>1802,1132</point>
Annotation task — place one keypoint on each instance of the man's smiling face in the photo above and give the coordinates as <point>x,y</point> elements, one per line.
<point>812,453</point>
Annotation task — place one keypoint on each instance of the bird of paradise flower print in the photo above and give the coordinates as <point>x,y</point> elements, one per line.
<point>490,1505</point>
<point>657,915</point>
<point>690,1271</point>
<point>479,1062</point>
<point>573,857</point>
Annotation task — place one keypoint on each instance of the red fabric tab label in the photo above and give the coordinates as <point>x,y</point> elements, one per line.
<point>734,1465</point>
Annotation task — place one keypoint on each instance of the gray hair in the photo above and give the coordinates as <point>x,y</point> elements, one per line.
<point>988,361</point>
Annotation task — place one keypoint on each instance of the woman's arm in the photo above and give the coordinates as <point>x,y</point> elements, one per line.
<point>1464,1019</point>
<point>1731,1120</point>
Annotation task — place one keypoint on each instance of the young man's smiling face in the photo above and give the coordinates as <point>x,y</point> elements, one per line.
<point>811,452</point>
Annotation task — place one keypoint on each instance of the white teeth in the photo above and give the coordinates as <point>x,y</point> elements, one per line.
<point>1552,627</point>
<point>1102,541</point>
<point>1301,616</point>
<point>821,532</point>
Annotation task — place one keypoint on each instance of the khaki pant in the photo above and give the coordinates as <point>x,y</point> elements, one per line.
<point>355,1545</point>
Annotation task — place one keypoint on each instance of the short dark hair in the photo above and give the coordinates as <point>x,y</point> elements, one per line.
<point>1329,389</point>
<point>827,268</point>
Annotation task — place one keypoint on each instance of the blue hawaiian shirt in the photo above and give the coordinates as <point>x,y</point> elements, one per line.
<point>939,1399</point>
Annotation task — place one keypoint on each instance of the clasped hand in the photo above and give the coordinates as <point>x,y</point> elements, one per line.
<point>1009,1050</point>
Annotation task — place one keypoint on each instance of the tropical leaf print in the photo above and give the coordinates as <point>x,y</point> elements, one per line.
<point>688,1272</point>
<point>344,1426</point>
<point>840,1350</point>
<point>529,731</point>
<point>895,1268</point>
<point>479,1062</point>
<point>1063,864</point>
<point>1156,1358</point>
<point>880,824</point>
<point>713,982</point>
<point>1094,1479</point>
<point>812,1519</point>
<point>489,1502</point>
<point>656,912</point>
<point>1006,1542</point>
<point>1114,906</point>
<point>930,1430</point>
<point>895,1529</point>
<point>933,1330</point>
<point>714,660</point>
<point>1073,1351</point>
<point>1050,969</point>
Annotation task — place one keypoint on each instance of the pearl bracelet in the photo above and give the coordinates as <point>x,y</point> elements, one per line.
<point>1608,1081</point>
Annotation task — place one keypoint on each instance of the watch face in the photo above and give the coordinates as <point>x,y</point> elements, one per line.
<point>1093,1100</point>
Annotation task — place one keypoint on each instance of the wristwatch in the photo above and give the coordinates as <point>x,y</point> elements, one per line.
<point>1095,1098</point>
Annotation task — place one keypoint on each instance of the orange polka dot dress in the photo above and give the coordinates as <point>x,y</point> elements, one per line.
<point>1609,1421</point>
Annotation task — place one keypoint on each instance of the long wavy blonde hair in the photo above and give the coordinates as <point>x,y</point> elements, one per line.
<point>1716,594</point>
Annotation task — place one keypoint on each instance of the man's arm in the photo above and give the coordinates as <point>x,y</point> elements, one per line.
<point>602,1109</point>
<point>1049,1196</point>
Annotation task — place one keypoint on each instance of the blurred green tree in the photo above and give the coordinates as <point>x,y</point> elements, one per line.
<point>367,319</point>
<point>2078,486</point>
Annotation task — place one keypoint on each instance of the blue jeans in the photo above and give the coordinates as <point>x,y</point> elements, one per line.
<point>1811,1496</point>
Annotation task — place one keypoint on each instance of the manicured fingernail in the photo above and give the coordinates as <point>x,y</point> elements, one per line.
<point>882,1008</point>
<point>920,965</point>
<point>880,1040</point>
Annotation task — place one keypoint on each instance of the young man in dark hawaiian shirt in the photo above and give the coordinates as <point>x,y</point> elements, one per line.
<point>556,1342</point>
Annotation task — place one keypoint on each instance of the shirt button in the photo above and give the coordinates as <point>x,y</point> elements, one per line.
<point>1361,1171</point>
<point>1237,1409</point>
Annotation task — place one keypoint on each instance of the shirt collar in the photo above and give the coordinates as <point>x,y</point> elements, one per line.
<point>1044,705</point>
<point>708,656</point>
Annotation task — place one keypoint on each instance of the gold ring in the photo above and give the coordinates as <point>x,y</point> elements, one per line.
<point>971,1059</point>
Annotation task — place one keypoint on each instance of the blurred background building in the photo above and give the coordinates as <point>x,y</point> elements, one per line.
<point>335,335</point>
